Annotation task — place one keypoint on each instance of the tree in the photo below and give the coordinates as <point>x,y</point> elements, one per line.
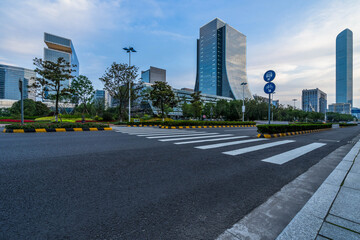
<point>209,109</point>
<point>187,110</point>
<point>162,96</point>
<point>31,108</point>
<point>196,104</point>
<point>83,92</point>
<point>53,80</point>
<point>116,81</point>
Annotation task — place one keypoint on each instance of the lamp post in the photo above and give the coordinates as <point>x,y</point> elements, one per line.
<point>129,50</point>
<point>294,102</point>
<point>243,106</point>
<point>21,86</point>
<point>272,113</point>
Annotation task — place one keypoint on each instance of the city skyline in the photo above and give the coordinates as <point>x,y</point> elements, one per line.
<point>301,52</point>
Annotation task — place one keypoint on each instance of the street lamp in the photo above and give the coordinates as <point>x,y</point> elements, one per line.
<point>272,99</point>
<point>21,89</point>
<point>129,50</point>
<point>243,107</point>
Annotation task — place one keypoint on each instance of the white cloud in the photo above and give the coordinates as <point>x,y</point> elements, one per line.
<point>303,52</point>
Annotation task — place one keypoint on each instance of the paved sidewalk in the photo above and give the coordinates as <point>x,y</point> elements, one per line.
<point>333,212</point>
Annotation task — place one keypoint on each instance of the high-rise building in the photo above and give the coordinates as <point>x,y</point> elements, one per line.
<point>314,100</point>
<point>221,61</point>
<point>344,67</point>
<point>61,47</point>
<point>9,82</point>
<point>153,75</point>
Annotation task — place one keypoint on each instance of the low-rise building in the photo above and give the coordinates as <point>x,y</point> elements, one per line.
<point>344,108</point>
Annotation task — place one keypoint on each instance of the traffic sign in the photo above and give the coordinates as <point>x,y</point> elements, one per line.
<point>269,88</point>
<point>269,76</point>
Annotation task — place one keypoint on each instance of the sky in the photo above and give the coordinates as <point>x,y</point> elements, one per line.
<point>294,38</point>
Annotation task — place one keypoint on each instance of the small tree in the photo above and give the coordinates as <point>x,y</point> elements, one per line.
<point>162,96</point>
<point>116,81</point>
<point>52,80</point>
<point>196,104</point>
<point>83,92</point>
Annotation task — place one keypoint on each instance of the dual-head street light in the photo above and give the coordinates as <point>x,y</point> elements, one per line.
<point>129,50</point>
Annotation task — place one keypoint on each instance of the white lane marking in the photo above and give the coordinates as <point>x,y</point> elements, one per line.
<point>155,134</point>
<point>186,135</point>
<point>258,147</point>
<point>212,140</point>
<point>230,143</point>
<point>292,154</point>
<point>194,137</point>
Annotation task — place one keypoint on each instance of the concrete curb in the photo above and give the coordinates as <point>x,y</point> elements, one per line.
<point>38,130</point>
<point>265,135</point>
<point>221,126</point>
<point>309,220</point>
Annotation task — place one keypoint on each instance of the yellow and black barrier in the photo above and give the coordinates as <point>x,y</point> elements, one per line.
<point>39,130</point>
<point>266,135</point>
<point>220,126</point>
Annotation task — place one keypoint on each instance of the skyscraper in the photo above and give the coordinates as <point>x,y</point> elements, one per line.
<point>344,67</point>
<point>9,82</point>
<point>221,61</point>
<point>61,47</point>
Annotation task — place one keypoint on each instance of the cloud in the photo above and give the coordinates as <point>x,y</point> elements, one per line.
<point>303,52</point>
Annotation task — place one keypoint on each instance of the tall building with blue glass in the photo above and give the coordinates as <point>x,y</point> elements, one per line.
<point>221,61</point>
<point>344,67</point>
<point>9,82</point>
<point>61,47</point>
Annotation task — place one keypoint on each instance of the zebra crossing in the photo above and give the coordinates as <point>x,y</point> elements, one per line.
<point>212,140</point>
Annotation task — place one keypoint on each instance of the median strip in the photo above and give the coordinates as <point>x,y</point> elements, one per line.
<point>41,130</point>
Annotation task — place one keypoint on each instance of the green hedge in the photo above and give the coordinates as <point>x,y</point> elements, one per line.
<point>55,125</point>
<point>282,128</point>
<point>347,124</point>
<point>145,123</point>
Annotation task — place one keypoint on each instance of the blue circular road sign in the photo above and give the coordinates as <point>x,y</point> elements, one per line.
<point>269,76</point>
<point>269,88</point>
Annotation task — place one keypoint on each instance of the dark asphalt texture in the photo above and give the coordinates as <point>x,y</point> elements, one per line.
<point>110,185</point>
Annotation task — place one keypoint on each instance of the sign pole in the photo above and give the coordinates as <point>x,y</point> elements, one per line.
<point>269,111</point>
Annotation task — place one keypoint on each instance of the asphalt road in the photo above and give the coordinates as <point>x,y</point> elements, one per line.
<point>113,185</point>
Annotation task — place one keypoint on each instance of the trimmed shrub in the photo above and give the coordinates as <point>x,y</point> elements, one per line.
<point>55,125</point>
<point>282,128</point>
<point>206,123</point>
<point>347,124</point>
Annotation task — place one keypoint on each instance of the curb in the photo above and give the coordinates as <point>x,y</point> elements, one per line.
<point>37,130</point>
<point>309,221</point>
<point>226,126</point>
<point>265,135</point>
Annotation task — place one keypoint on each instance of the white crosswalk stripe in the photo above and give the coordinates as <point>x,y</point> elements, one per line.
<point>184,135</point>
<point>230,143</point>
<point>292,154</point>
<point>194,137</point>
<point>211,140</point>
<point>258,147</point>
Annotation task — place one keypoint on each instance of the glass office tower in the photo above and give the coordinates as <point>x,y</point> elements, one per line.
<point>344,67</point>
<point>61,47</point>
<point>9,82</point>
<point>221,61</point>
<point>153,75</point>
<point>314,100</point>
